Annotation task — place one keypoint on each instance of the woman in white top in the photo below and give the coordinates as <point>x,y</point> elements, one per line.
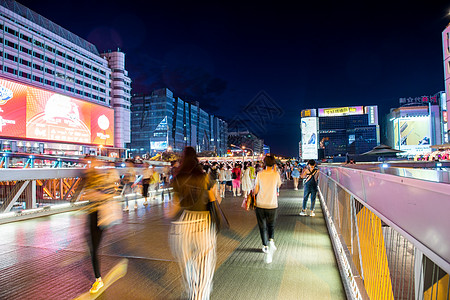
<point>246,185</point>
<point>267,184</point>
<point>229,178</point>
<point>222,180</point>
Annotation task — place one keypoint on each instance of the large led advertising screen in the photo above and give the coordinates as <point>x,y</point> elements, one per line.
<point>309,138</point>
<point>341,111</point>
<point>412,134</point>
<point>33,113</point>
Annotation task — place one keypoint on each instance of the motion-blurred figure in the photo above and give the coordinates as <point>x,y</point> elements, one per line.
<point>193,236</point>
<point>100,182</point>
<point>127,183</point>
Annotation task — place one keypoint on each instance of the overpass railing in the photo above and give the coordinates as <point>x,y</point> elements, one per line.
<point>391,234</point>
<point>26,190</point>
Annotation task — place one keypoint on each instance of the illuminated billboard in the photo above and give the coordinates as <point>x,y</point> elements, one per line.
<point>309,138</point>
<point>341,111</point>
<point>33,113</point>
<point>412,134</point>
<point>158,145</point>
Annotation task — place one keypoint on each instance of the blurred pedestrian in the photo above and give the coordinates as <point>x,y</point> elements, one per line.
<point>228,178</point>
<point>295,174</point>
<point>193,236</point>
<point>236,175</point>
<point>246,181</point>
<point>310,175</point>
<point>100,187</point>
<point>127,183</point>
<point>146,178</point>
<point>222,180</point>
<point>267,183</point>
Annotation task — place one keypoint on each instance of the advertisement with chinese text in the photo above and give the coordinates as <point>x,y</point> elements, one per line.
<point>309,138</point>
<point>412,134</point>
<point>341,111</point>
<point>28,112</point>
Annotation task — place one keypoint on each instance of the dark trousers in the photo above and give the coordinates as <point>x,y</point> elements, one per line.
<point>266,222</point>
<point>95,236</point>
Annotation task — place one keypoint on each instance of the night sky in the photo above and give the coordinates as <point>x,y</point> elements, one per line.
<point>224,54</point>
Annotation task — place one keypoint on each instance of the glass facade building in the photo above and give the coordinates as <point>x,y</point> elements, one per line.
<point>160,121</point>
<point>340,131</point>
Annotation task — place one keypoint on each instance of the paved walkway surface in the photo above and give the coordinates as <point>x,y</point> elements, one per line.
<point>47,258</point>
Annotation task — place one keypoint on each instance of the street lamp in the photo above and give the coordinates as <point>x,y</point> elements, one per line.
<point>242,149</point>
<point>253,154</point>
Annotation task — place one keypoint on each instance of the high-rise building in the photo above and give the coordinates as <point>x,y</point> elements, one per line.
<point>417,124</point>
<point>72,83</point>
<point>331,132</point>
<point>160,121</point>
<point>247,139</point>
<point>446,103</point>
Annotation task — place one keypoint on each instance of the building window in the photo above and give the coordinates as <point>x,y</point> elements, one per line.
<point>38,79</point>
<point>38,67</point>
<point>25,62</point>
<point>11,57</point>
<point>48,82</point>
<point>24,75</point>
<point>11,44</point>
<point>49,71</point>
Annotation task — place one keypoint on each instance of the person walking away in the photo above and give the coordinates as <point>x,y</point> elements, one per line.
<point>252,174</point>
<point>295,175</point>
<point>146,177</point>
<point>310,175</point>
<point>127,183</point>
<point>222,180</point>
<point>228,178</point>
<point>236,174</point>
<point>99,186</point>
<point>193,236</point>
<point>246,181</point>
<point>267,183</point>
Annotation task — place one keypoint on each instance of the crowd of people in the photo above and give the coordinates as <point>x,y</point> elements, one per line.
<point>195,186</point>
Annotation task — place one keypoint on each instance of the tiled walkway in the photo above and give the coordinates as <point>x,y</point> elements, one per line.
<point>47,258</point>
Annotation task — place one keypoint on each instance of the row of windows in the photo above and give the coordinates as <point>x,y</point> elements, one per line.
<point>51,83</point>
<point>52,61</point>
<point>51,72</point>
<point>49,48</point>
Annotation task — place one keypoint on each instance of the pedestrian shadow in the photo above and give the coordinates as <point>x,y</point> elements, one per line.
<point>231,234</point>
<point>252,250</point>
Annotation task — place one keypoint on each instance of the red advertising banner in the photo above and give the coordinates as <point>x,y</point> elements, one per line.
<point>28,112</point>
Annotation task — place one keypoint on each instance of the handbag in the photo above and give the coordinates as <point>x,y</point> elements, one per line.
<point>218,217</point>
<point>249,203</point>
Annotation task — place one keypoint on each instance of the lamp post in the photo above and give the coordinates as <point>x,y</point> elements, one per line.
<point>243,159</point>
<point>253,154</point>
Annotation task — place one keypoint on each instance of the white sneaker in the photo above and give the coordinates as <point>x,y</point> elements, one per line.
<point>312,214</point>
<point>268,257</point>
<point>135,206</point>
<point>239,195</point>
<point>303,213</point>
<point>145,203</point>
<point>272,245</point>
<point>125,209</point>
<point>265,249</point>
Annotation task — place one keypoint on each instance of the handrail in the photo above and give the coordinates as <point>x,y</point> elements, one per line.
<point>416,208</point>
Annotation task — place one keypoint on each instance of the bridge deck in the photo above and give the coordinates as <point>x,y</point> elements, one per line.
<point>47,258</point>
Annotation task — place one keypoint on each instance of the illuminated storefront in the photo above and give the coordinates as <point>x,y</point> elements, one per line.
<point>31,118</point>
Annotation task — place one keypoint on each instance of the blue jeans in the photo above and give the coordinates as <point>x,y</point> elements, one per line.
<point>309,189</point>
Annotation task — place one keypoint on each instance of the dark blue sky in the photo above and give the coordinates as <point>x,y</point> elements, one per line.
<point>321,54</point>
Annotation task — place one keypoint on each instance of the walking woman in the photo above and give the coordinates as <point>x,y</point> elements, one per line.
<point>247,185</point>
<point>296,175</point>
<point>236,175</point>
<point>193,236</point>
<point>222,180</point>
<point>100,187</point>
<point>267,184</point>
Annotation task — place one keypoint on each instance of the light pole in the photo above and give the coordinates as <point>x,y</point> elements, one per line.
<point>243,159</point>
<point>253,154</point>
